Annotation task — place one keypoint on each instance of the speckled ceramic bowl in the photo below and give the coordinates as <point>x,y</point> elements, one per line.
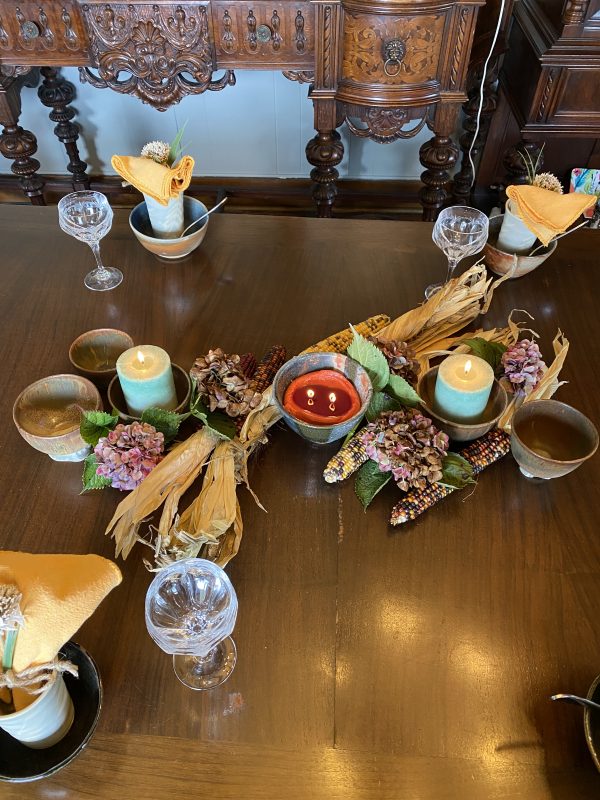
<point>502,263</point>
<point>183,390</point>
<point>591,723</point>
<point>95,353</point>
<point>47,415</point>
<point>311,362</point>
<point>461,431</point>
<point>170,249</point>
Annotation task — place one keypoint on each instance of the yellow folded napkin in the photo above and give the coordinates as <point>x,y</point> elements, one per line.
<point>59,592</point>
<point>548,213</point>
<point>157,180</point>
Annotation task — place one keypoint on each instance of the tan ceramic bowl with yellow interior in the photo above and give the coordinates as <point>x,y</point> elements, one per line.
<point>170,249</point>
<point>48,412</point>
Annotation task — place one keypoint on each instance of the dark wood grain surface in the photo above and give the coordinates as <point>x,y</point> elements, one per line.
<point>372,662</point>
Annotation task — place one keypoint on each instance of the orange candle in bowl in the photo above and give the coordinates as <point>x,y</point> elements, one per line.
<point>323,397</point>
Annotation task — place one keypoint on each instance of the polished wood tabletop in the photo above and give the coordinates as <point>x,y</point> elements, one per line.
<point>409,664</point>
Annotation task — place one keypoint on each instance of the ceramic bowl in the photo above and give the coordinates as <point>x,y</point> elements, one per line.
<point>591,723</point>
<point>501,263</point>
<point>170,249</point>
<point>183,390</point>
<point>95,353</point>
<point>310,362</point>
<point>550,439</point>
<point>461,431</point>
<point>47,415</point>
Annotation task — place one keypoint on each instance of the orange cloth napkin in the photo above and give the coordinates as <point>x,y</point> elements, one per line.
<point>548,213</point>
<point>157,180</point>
<point>59,593</point>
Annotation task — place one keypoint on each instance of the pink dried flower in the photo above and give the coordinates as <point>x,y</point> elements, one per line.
<point>523,366</point>
<point>129,453</point>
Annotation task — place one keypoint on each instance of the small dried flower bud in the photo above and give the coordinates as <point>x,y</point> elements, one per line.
<point>157,151</point>
<point>523,366</point>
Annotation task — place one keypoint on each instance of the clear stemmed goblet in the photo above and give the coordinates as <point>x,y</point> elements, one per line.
<point>191,608</point>
<point>88,217</point>
<point>459,232</point>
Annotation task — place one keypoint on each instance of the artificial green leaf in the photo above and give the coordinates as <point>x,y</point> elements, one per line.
<point>369,482</point>
<point>489,351</point>
<point>381,402</point>
<point>402,391</point>
<point>221,424</point>
<point>89,478</point>
<point>456,471</point>
<point>96,424</point>
<point>371,358</point>
<point>352,432</point>
<point>166,422</point>
<point>175,147</point>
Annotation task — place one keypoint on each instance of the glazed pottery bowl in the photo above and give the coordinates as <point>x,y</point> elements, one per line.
<point>48,412</point>
<point>311,362</point>
<point>550,439</point>
<point>502,263</point>
<point>591,723</point>
<point>461,431</point>
<point>95,353</point>
<point>183,390</point>
<point>171,249</point>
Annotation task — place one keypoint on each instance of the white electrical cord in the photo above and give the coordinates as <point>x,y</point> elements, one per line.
<point>479,110</point>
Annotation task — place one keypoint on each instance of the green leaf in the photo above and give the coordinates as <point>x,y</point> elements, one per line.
<point>402,391</point>
<point>89,478</point>
<point>371,358</point>
<point>175,148</point>
<point>352,432</point>
<point>489,351</point>
<point>221,424</point>
<point>369,482</point>
<point>381,402</point>
<point>456,471</point>
<point>166,422</point>
<point>96,424</point>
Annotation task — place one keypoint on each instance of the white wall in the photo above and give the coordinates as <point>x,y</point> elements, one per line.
<point>258,128</point>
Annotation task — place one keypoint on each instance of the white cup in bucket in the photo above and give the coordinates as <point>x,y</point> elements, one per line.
<point>514,237</point>
<point>44,722</point>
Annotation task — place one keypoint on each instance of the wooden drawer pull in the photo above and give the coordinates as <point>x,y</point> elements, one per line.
<point>393,53</point>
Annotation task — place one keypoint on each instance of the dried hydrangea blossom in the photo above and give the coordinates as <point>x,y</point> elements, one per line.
<point>546,180</point>
<point>221,384</point>
<point>407,444</point>
<point>523,366</point>
<point>128,454</point>
<point>157,151</point>
<point>400,357</point>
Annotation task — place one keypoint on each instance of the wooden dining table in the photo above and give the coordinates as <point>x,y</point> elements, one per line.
<point>410,663</point>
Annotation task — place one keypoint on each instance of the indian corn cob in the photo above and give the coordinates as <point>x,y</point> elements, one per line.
<point>480,454</point>
<point>268,366</point>
<point>346,461</point>
<point>248,365</point>
<point>340,342</point>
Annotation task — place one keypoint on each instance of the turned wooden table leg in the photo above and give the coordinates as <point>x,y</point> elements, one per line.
<point>16,143</point>
<point>517,158</point>
<point>325,151</point>
<point>57,93</point>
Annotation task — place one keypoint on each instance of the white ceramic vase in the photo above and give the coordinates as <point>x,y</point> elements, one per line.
<point>166,221</point>
<point>44,722</point>
<point>514,237</point>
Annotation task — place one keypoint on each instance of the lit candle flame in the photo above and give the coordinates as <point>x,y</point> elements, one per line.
<point>468,365</point>
<point>332,399</point>
<point>310,392</point>
<point>140,357</point>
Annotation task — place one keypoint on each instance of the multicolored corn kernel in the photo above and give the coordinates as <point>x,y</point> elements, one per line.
<point>480,454</point>
<point>248,364</point>
<point>268,366</point>
<point>346,461</point>
<point>341,341</point>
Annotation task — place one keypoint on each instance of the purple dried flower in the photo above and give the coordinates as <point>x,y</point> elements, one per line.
<point>523,366</point>
<point>129,453</point>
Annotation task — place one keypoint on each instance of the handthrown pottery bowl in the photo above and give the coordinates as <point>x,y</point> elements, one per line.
<point>502,263</point>
<point>95,353</point>
<point>183,390</point>
<point>461,431</point>
<point>311,362</point>
<point>591,723</point>
<point>171,249</point>
<point>48,412</point>
<point>550,439</point>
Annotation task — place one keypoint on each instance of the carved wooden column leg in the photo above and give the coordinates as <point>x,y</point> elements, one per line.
<point>516,159</point>
<point>325,151</point>
<point>16,143</point>
<point>438,156</point>
<point>57,93</point>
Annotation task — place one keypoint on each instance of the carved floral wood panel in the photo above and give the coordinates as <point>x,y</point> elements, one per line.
<point>39,33</point>
<point>157,53</point>
<point>365,36</point>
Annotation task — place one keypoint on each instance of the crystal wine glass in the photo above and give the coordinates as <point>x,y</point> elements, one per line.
<point>459,232</point>
<point>191,608</point>
<point>88,217</point>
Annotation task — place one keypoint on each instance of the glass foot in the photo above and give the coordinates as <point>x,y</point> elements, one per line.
<point>212,670</point>
<point>101,280</point>
<point>432,289</point>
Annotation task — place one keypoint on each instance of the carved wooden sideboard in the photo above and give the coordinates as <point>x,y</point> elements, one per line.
<point>386,68</point>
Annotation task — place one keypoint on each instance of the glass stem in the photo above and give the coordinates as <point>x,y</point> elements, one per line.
<point>452,264</point>
<point>99,265</point>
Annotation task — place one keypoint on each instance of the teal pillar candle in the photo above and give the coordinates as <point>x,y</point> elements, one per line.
<point>146,377</point>
<point>463,387</point>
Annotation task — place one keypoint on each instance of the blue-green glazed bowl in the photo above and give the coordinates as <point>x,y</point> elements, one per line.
<point>311,362</point>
